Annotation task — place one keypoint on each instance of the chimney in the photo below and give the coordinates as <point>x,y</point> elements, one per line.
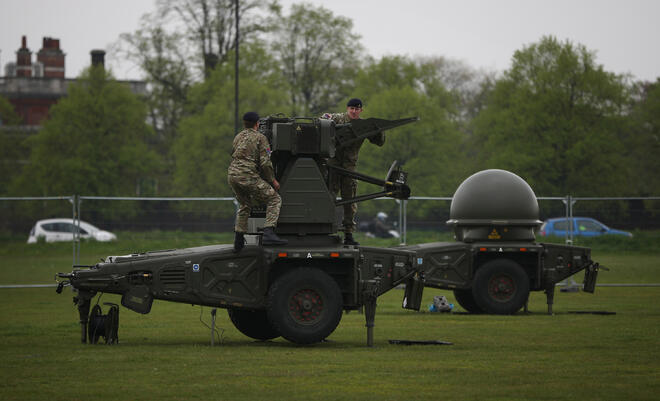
<point>23,60</point>
<point>98,58</point>
<point>52,58</point>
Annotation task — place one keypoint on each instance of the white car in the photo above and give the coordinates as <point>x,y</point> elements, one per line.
<point>52,230</point>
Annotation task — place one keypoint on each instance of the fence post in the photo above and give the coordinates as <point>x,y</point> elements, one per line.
<point>568,235</point>
<point>77,230</point>
<point>404,227</point>
<point>400,226</point>
<point>75,204</point>
<point>236,206</point>
<point>570,209</point>
<point>566,202</point>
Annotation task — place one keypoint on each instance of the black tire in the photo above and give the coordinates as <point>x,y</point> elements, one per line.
<point>304,305</point>
<point>112,325</point>
<point>466,300</point>
<point>252,323</point>
<point>500,287</point>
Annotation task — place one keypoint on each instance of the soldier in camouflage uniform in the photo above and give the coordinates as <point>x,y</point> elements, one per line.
<point>252,178</point>
<point>348,158</point>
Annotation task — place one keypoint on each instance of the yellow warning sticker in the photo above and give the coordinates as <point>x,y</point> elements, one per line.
<point>494,235</point>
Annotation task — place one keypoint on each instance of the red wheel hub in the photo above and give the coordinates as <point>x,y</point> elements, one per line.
<point>305,306</point>
<point>501,288</point>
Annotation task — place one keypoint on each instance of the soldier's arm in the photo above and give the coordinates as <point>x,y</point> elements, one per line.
<point>265,166</point>
<point>338,118</point>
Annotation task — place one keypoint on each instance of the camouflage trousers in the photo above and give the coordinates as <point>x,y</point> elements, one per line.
<point>252,192</point>
<point>348,188</point>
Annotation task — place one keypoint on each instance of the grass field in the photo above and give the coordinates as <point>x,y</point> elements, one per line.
<point>166,354</point>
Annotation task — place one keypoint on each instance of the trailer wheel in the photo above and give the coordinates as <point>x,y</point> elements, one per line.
<point>466,300</point>
<point>304,305</point>
<point>252,323</point>
<point>500,287</point>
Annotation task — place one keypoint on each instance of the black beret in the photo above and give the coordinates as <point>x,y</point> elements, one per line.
<point>251,116</point>
<point>355,102</point>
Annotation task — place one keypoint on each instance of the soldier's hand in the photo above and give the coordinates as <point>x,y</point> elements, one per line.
<point>276,185</point>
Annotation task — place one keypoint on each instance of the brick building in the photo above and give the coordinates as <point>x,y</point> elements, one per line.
<point>32,88</point>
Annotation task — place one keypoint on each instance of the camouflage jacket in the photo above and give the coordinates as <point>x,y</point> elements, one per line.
<point>348,157</point>
<point>251,156</point>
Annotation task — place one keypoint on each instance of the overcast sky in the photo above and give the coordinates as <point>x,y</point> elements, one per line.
<point>625,34</point>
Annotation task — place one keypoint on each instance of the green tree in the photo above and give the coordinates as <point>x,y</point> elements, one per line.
<point>203,150</point>
<point>8,116</point>
<point>556,119</point>
<point>643,141</point>
<point>468,87</point>
<point>396,87</point>
<point>209,25</point>
<point>318,52</point>
<point>196,34</point>
<point>430,149</point>
<point>180,43</point>
<point>11,144</point>
<point>93,144</point>
<point>169,78</point>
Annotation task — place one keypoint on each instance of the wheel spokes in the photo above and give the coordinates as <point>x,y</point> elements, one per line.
<point>306,305</point>
<point>502,288</point>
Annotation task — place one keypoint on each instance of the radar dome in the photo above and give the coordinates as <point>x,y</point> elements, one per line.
<point>494,205</point>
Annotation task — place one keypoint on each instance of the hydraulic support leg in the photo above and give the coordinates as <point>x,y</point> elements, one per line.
<point>370,316</point>
<point>550,296</point>
<point>370,294</point>
<point>83,301</point>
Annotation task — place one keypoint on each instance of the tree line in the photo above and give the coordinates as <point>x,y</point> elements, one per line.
<point>556,117</point>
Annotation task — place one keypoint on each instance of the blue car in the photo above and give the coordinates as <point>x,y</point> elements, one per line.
<point>582,226</point>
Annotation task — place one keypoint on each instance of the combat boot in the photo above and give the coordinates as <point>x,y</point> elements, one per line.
<point>239,241</point>
<point>349,240</point>
<point>270,238</point>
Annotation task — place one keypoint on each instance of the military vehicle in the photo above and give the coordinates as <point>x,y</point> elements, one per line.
<point>299,290</point>
<point>496,262</point>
